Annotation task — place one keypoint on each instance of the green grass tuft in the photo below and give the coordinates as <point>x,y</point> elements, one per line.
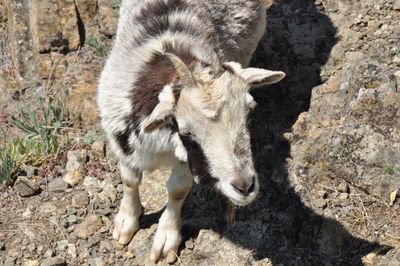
<point>41,129</point>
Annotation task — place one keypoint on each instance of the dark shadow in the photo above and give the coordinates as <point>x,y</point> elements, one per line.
<point>279,226</point>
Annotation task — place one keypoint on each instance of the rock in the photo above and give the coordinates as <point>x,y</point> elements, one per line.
<point>46,28</point>
<point>71,250</point>
<point>22,50</point>
<point>322,194</point>
<point>319,203</point>
<point>62,245</point>
<point>97,262</point>
<point>72,219</point>
<point>105,246</point>
<point>99,146</point>
<point>2,245</point>
<point>88,14</point>
<point>57,185</point>
<point>31,263</point>
<point>54,261</point>
<point>69,24</point>
<point>76,160</point>
<point>107,17</point>
<point>88,227</point>
<point>343,196</point>
<point>80,200</point>
<point>370,258</point>
<point>396,5</point>
<point>343,187</point>
<point>94,240</point>
<point>26,187</point>
<point>73,178</point>
<point>128,255</point>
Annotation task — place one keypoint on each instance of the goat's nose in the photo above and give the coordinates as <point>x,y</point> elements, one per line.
<point>244,186</point>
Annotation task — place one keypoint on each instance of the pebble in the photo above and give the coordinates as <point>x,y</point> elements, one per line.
<point>57,185</point>
<point>105,246</point>
<point>99,146</point>
<point>2,246</point>
<point>31,263</point>
<point>88,227</point>
<point>72,219</point>
<point>54,261</point>
<point>370,258</point>
<point>343,187</point>
<point>319,203</point>
<point>128,255</point>
<point>80,200</point>
<point>343,196</point>
<point>71,250</point>
<point>73,178</point>
<point>76,160</point>
<point>322,194</point>
<point>26,188</point>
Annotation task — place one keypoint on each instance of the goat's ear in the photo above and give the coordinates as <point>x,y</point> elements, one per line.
<point>163,112</point>
<point>255,77</point>
<point>160,116</point>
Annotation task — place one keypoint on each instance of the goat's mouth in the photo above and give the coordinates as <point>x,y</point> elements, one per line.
<point>237,196</point>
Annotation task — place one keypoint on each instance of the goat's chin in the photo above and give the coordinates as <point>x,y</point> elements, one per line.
<point>235,197</point>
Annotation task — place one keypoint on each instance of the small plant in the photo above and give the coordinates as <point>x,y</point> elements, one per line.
<point>90,137</point>
<point>96,44</point>
<point>116,5</point>
<point>388,169</point>
<point>42,129</point>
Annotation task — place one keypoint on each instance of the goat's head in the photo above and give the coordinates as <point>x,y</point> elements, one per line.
<point>211,110</point>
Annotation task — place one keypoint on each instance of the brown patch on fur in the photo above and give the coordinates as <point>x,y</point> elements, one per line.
<point>179,194</point>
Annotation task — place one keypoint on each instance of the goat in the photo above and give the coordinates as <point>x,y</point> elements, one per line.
<point>175,91</point>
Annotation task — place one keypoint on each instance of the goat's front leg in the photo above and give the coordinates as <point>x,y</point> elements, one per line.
<point>168,235</point>
<point>127,219</point>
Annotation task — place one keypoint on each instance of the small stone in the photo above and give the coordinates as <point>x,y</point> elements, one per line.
<point>62,245</point>
<point>31,263</point>
<point>96,262</point>
<point>189,244</point>
<point>72,219</point>
<point>128,255</point>
<point>76,160</point>
<point>343,196</point>
<point>2,246</point>
<point>322,194</point>
<point>99,146</point>
<point>71,250</point>
<point>396,5</point>
<point>319,203</point>
<point>54,261</point>
<point>105,246</point>
<point>73,178</point>
<point>370,258</point>
<point>31,247</point>
<point>343,187</point>
<point>26,187</point>
<point>49,253</point>
<point>80,200</point>
<point>120,188</point>
<point>58,185</point>
<point>88,227</point>
<point>93,240</point>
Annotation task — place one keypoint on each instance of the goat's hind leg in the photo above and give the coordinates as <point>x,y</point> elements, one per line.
<point>130,210</point>
<point>168,235</point>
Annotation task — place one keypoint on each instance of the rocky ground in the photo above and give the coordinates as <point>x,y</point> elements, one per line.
<point>326,142</point>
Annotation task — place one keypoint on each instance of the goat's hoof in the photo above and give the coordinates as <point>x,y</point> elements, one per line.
<point>125,227</point>
<point>166,242</point>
